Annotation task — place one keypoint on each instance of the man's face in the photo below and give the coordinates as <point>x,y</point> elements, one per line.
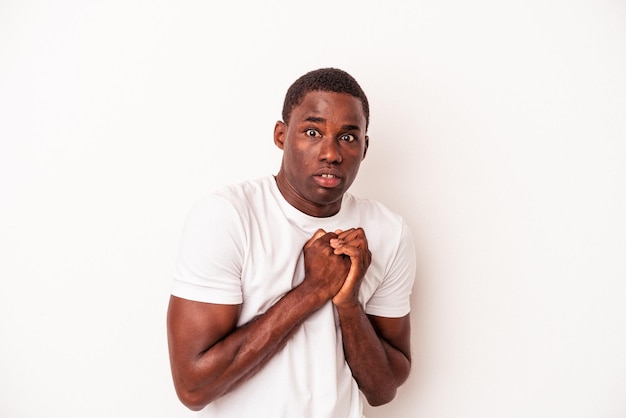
<point>324,142</point>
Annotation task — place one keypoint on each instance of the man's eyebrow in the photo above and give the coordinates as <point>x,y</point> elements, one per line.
<point>315,119</point>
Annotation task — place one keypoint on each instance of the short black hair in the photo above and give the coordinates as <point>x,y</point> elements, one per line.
<point>324,79</point>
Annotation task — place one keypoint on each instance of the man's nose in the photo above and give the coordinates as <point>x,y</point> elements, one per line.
<point>330,151</point>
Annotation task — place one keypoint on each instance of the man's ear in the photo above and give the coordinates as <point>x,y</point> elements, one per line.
<point>367,144</point>
<point>279,134</point>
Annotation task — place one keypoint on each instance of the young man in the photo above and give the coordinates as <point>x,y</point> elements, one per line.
<point>291,296</point>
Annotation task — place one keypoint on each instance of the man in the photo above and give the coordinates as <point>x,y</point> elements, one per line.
<point>281,305</point>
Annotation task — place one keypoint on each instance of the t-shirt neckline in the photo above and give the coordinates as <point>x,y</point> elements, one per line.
<point>304,219</point>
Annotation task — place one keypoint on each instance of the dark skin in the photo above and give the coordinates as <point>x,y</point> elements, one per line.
<point>324,143</point>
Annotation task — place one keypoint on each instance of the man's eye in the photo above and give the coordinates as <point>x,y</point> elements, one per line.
<point>312,133</point>
<point>348,138</point>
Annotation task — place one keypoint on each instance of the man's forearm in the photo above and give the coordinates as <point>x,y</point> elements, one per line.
<point>378,367</point>
<point>243,352</point>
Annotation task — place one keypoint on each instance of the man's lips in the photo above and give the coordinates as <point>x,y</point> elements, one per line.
<point>327,178</point>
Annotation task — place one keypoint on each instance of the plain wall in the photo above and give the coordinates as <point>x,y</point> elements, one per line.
<point>498,131</point>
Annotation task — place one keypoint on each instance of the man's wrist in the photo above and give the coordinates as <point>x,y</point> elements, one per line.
<point>348,304</point>
<point>311,294</point>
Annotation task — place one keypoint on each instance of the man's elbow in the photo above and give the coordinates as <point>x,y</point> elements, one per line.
<point>386,393</point>
<point>193,397</point>
<point>381,397</point>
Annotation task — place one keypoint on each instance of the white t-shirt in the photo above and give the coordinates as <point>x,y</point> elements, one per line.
<point>243,245</point>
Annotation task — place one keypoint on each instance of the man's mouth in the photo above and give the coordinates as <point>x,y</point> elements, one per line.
<point>328,180</point>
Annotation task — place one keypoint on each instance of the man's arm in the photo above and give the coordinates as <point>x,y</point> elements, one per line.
<point>376,348</point>
<point>209,356</point>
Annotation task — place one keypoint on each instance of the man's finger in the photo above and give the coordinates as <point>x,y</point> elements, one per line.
<point>317,235</point>
<point>349,250</point>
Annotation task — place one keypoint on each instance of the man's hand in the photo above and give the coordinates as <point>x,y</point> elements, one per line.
<point>325,268</point>
<point>351,243</point>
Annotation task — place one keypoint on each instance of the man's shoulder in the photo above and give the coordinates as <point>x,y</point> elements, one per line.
<point>236,199</point>
<point>232,205</point>
<point>243,189</point>
<point>238,195</point>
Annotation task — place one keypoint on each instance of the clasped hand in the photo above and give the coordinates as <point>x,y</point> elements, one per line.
<point>336,263</point>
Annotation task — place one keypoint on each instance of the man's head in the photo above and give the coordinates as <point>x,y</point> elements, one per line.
<point>324,79</point>
<point>323,138</point>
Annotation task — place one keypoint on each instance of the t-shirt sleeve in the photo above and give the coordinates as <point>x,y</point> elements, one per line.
<point>392,298</point>
<point>210,256</point>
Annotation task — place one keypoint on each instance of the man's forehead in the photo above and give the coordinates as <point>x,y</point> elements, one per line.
<point>323,104</point>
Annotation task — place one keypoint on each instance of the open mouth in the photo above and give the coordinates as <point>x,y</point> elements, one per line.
<point>327,179</point>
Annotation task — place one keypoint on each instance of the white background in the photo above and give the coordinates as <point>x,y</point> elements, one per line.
<point>498,131</point>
